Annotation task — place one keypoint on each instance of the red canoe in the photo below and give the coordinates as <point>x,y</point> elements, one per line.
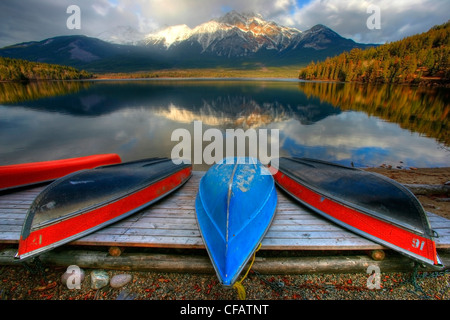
<point>88,200</point>
<point>370,205</point>
<point>21,175</point>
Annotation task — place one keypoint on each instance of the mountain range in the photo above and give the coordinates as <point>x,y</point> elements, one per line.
<point>233,40</point>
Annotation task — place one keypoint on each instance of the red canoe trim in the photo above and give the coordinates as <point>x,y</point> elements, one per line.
<point>17,175</point>
<point>406,241</point>
<point>47,237</point>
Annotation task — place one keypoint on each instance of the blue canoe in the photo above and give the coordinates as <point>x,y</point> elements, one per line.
<point>235,206</point>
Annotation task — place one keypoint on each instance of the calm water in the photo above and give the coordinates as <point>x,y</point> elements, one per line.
<point>344,123</point>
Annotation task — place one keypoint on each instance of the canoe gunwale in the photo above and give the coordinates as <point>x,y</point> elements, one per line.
<point>425,233</point>
<point>70,215</point>
<point>418,258</point>
<point>36,252</point>
<point>117,211</point>
<point>430,255</point>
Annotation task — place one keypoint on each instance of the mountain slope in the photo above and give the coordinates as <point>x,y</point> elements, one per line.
<point>235,40</point>
<point>86,53</point>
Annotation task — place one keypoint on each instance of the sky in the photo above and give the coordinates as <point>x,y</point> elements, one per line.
<point>31,20</point>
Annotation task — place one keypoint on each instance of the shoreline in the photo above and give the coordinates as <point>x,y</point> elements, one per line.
<point>435,203</point>
<point>238,75</point>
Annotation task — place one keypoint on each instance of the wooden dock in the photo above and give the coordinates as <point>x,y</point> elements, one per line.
<point>171,223</point>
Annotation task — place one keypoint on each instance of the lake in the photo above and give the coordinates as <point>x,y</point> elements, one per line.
<point>343,123</point>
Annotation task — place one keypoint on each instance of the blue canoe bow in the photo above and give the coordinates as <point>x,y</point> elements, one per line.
<point>235,206</point>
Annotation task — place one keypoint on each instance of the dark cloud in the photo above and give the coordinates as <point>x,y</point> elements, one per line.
<point>28,20</point>
<point>399,19</point>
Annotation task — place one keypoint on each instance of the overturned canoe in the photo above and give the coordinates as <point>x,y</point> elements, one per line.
<point>85,201</point>
<point>235,206</point>
<point>27,174</point>
<point>368,204</point>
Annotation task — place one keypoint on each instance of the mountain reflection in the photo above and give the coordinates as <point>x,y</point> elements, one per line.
<point>237,104</point>
<point>367,125</point>
<point>241,103</point>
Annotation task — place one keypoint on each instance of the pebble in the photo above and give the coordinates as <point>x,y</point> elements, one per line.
<point>188,286</point>
<point>119,280</point>
<point>99,279</point>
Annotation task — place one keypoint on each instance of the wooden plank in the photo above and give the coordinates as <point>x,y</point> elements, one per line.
<point>171,223</point>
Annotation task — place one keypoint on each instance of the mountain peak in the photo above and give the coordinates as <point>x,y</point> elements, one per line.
<point>244,33</point>
<point>236,18</point>
<point>169,35</point>
<point>121,35</point>
<point>320,28</point>
<point>320,37</point>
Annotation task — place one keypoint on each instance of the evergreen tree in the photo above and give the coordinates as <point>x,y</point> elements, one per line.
<point>409,60</point>
<point>23,70</point>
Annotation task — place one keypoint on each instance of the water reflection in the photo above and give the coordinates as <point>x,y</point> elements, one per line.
<point>330,121</point>
<point>418,109</point>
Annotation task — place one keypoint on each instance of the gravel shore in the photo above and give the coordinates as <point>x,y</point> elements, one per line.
<point>20,283</point>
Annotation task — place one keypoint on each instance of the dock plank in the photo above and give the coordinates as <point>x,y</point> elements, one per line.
<point>171,223</point>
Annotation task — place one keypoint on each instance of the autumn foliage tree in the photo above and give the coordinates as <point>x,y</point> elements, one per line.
<point>411,60</point>
<point>23,70</point>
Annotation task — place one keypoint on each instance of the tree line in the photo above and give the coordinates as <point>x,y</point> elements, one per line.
<point>23,70</point>
<point>418,58</point>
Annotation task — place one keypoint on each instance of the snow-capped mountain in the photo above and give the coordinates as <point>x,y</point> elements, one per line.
<point>122,35</point>
<point>243,34</point>
<point>169,36</point>
<point>233,40</point>
<point>234,34</point>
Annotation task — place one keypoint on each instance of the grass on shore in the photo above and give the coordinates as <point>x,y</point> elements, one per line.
<point>290,72</point>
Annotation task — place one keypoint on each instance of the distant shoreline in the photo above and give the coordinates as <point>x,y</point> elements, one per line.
<point>264,74</point>
<point>290,72</point>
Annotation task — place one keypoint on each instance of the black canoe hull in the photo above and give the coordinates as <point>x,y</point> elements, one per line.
<point>367,204</point>
<point>86,201</point>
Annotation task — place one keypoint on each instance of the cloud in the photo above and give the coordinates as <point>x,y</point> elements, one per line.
<point>399,19</point>
<point>28,20</point>
<point>194,12</point>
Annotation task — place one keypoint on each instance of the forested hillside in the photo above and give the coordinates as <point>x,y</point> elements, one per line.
<point>422,57</point>
<point>22,70</point>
